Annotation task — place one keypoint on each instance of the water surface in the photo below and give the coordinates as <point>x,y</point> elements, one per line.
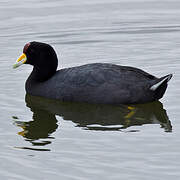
<point>46,139</point>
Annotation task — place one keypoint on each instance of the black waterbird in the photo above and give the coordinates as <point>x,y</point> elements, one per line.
<point>92,83</point>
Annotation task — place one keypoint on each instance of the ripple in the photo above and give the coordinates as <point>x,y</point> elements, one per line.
<point>145,30</point>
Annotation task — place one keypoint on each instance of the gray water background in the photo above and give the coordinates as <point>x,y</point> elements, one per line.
<point>37,142</point>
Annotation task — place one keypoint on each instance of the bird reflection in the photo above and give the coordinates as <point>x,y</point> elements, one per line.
<point>43,124</point>
<point>41,127</point>
<point>88,117</point>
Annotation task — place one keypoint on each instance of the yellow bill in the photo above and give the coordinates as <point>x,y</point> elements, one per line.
<point>21,60</point>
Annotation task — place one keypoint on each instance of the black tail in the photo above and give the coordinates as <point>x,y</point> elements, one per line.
<point>160,86</point>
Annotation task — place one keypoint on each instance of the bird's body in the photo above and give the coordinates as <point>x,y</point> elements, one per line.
<point>94,83</point>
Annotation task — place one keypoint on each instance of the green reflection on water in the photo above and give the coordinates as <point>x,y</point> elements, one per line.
<point>88,117</point>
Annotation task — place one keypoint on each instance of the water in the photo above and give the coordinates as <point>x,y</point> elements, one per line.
<point>46,139</point>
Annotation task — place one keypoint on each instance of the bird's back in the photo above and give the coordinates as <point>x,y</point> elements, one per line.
<point>97,83</point>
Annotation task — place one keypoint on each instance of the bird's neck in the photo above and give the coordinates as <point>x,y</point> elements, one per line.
<point>42,74</point>
<point>44,70</point>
